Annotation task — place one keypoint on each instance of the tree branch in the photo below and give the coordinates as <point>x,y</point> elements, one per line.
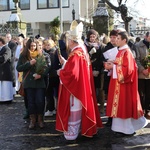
<point>112,6</point>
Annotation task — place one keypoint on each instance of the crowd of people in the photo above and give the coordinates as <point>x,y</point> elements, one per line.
<point>74,77</point>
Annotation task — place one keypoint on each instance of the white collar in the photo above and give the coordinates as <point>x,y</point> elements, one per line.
<point>123,47</point>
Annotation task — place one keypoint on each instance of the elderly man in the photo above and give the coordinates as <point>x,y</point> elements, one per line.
<point>12,45</point>
<point>77,106</point>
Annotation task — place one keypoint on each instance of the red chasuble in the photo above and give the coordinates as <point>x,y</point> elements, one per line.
<point>77,79</point>
<point>123,98</point>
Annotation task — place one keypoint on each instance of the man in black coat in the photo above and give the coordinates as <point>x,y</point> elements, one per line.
<point>12,45</point>
<point>5,72</point>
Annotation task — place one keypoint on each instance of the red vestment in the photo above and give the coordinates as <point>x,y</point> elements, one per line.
<point>123,98</point>
<point>77,80</point>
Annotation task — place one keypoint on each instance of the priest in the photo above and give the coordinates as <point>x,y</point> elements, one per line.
<point>77,106</point>
<point>123,103</point>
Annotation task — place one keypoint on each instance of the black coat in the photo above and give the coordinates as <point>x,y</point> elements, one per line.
<point>96,61</point>
<point>96,58</point>
<point>106,77</point>
<point>63,51</point>
<point>5,64</point>
<point>52,53</point>
<point>12,45</point>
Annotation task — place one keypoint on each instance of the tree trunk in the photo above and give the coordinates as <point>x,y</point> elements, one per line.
<point>126,26</point>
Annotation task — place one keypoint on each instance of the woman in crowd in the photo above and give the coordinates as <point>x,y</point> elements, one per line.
<point>34,83</point>
<point>52,89</point>
<point>95,49</point>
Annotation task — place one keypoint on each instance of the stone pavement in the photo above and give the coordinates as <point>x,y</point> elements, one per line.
<point>15,135</point>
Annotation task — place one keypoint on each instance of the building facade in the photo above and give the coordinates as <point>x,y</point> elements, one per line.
<point>39,13</point>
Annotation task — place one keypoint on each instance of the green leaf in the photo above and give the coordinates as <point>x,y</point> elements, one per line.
<point>40,64</point>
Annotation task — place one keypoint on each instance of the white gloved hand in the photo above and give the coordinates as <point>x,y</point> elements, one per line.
<point>92,51</point>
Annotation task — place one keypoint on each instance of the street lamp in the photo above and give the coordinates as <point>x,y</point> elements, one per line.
<point>73,13</point>
<point>91,23</point>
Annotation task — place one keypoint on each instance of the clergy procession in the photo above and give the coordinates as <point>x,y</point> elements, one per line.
<point>78,79</point>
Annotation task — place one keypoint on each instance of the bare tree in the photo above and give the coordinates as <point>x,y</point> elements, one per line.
<point>123,10</point>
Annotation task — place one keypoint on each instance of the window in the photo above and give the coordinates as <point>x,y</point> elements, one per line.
<point>29,29</point>
<point>24,4</point>
<point>42,3</point>
<point>3,5</point>
<point>9,4</point>
<point>65,3</point>
<point>51,3</point>
<point>48,3</point>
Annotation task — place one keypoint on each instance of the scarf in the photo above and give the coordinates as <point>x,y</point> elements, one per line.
<point>33,54</point>
<point>94,44</point>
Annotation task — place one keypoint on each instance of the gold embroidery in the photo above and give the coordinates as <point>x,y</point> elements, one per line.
<point>115,100</point>
<point>120,74</point>
<point>79,53</point>
<point>119,62</point>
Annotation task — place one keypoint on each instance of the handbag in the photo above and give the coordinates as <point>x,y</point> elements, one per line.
<point>21,89</point>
